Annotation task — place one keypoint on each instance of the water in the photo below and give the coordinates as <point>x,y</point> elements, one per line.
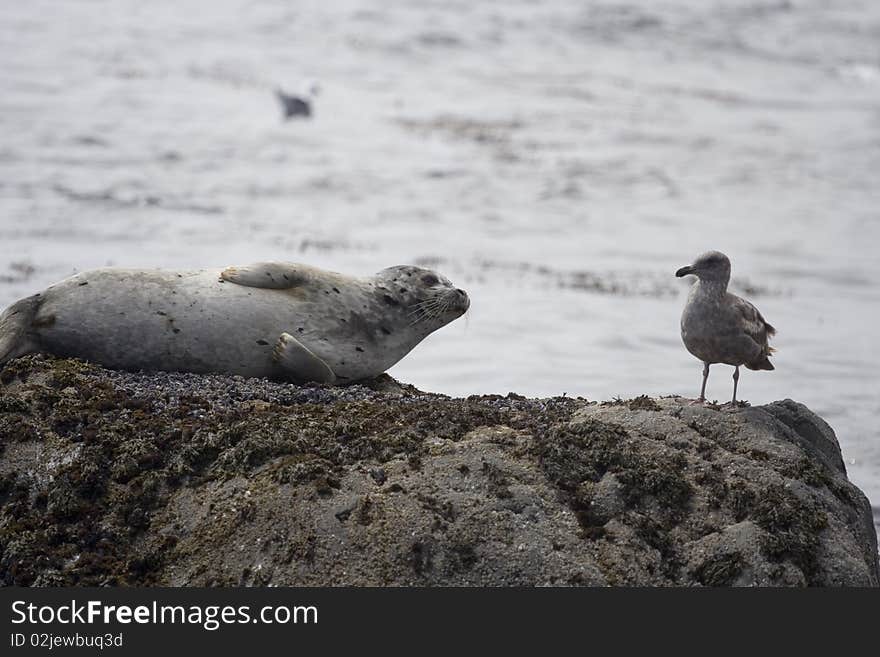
<point>559,160</point>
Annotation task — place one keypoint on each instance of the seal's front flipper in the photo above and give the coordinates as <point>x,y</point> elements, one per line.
<point>272,275</point>
<point>300,363</point>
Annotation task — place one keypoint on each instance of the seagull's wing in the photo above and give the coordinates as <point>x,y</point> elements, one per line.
<point>756,328</point>
<point>751,320</point>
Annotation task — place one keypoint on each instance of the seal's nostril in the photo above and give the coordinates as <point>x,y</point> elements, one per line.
<point>461,292</point>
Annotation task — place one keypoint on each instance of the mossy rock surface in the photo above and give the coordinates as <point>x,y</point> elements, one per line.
<point>115,478</point>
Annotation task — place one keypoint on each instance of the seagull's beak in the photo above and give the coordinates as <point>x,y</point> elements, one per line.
<point>684,271</point>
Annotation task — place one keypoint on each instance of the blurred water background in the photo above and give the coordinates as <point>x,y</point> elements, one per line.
<point>559,159</point>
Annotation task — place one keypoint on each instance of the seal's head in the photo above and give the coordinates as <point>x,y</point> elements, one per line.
<point>427,299</point>
<point>712,267</point>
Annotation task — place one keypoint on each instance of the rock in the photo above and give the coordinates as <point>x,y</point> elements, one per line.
<point>112,478</point>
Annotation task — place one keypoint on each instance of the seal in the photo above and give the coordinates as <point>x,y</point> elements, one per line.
<point>276,320</point>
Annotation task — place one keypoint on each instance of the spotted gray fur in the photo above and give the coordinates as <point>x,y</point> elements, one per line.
<point>232,321</point>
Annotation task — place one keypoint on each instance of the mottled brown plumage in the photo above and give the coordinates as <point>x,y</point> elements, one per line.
<point>720,327</point>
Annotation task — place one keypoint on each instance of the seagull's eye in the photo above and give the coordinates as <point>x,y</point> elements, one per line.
<point>430,279</point>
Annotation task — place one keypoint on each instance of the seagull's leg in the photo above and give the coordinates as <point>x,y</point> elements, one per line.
<point>705,378</point>
<point>735,381</point>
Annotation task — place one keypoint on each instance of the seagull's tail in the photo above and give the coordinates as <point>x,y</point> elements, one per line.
<point>764,362</point>
<point>15,335</point>
<point>761,365</point>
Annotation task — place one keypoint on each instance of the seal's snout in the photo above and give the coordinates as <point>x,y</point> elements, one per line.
<point>463,299</point>
<point>684,271</point>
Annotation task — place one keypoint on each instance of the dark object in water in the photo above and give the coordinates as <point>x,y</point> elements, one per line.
<point>293,106</point>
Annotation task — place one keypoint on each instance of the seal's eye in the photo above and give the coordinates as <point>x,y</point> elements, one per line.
<point>430,279</point>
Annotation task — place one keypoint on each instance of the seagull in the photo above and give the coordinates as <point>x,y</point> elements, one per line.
<point>293,106</point>
<point>720,327</point>
<point>299,104</point>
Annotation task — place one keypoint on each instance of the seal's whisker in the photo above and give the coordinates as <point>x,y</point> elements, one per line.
<point>421,310</point>
<point>424,309</point>
<point>423,315</point>
<point>427,302</point>
<point>420,305</point>
<point>436,309</point>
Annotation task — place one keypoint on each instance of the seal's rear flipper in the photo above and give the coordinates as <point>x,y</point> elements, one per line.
<point>300,363</point>
<point>16,336</point>
<point>272,275</point>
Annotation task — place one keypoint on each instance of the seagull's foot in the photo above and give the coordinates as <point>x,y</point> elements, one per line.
<point>734,405</point>
<point>697,402</point>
